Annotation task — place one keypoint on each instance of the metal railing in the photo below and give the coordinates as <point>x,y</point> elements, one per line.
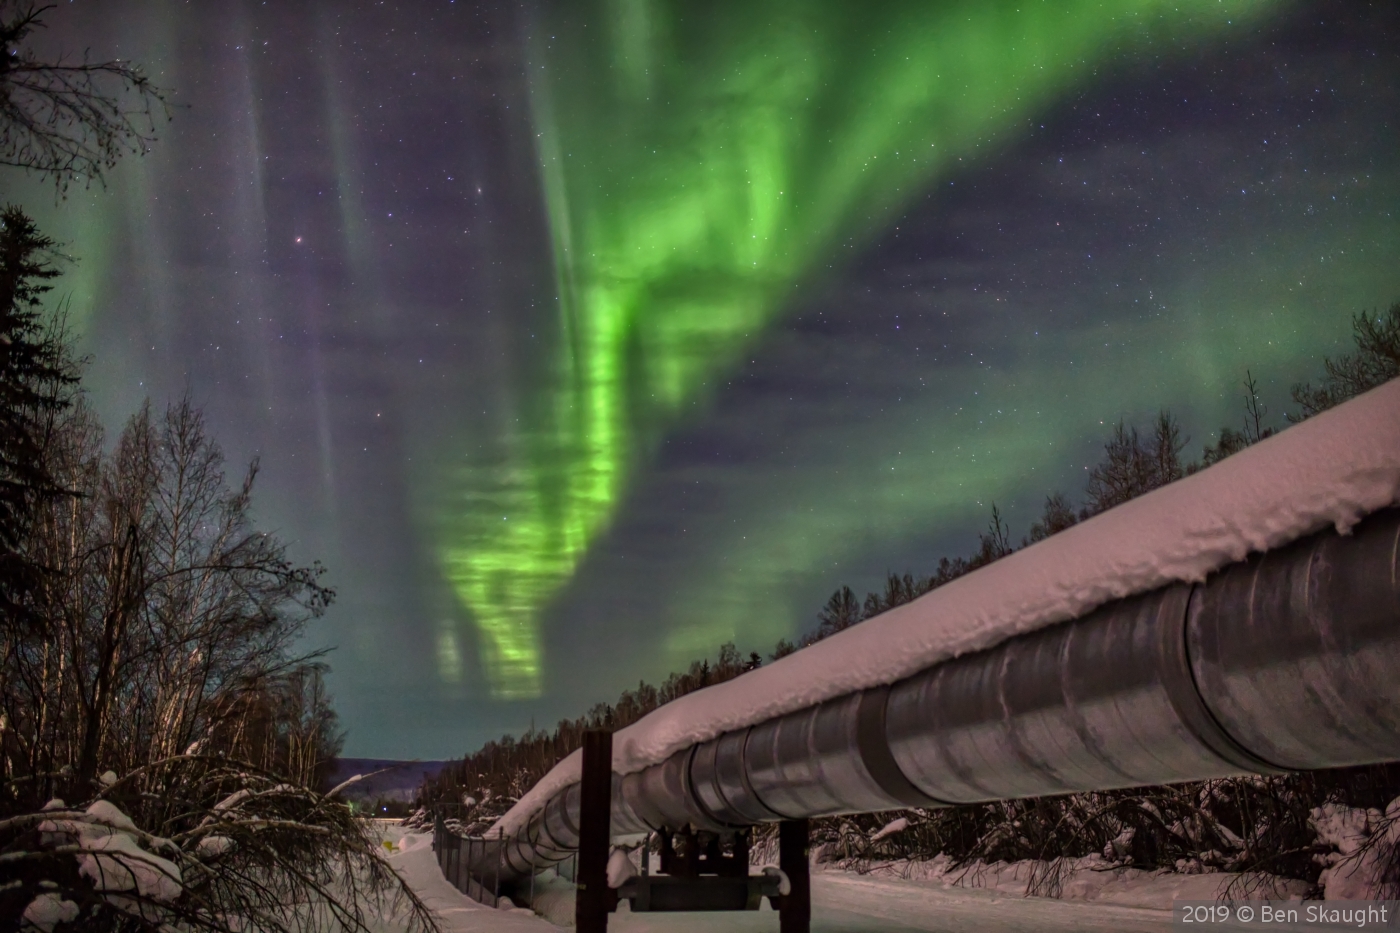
<point>475,865</point>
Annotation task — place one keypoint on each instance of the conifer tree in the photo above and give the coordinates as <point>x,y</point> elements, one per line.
<point>36,379</point>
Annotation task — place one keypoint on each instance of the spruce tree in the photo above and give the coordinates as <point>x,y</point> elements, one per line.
<point>36,377</point>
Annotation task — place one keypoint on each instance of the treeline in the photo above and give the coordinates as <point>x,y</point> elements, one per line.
<point>1254,824</point>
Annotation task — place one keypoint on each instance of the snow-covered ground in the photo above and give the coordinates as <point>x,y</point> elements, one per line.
<point>1087,879</point>
<point>1330,471</point>
<point>841,903</point>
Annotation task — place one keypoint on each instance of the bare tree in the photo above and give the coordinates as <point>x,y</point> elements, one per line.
<point>69,119</point>
<point>1132,465</point>
<point>1376,360</point>
<point>1253,431</point>
<point>1056,517</point>
<point>163,602</point>
<point>841,611</point>
<point>284,723</point>
<point>995,543</point>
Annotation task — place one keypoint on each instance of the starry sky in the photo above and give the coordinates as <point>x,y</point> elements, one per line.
<point>579,338</point>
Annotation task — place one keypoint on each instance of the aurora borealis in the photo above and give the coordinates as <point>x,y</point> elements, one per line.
<point>579,338</point>
<point>694,168</point>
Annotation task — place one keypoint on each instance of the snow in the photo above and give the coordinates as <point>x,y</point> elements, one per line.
<point>1329,471</point>
<point>211,847</point>
<point>231,801</point>
<point>897,825</point>
<point>1090,879</point>
<point>1121,845</point>
<point>620,868</point>
<point>235,799</point>
<point>110,856</point>
<point>1360,840</point>
<point>48,910</point>
<point>1341,827</point>
<point>117,863</point>
<point>784,883</point>
<point>109,814</point>
<point>864,904</point>
<point>353,779</point>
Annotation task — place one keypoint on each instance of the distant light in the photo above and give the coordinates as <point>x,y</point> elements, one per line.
<point>298,239</point>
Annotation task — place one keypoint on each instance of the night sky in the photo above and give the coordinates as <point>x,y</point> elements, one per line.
<point>579,338</point>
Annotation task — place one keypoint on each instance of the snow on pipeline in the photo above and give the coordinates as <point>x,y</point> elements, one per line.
<point>1331,470</point>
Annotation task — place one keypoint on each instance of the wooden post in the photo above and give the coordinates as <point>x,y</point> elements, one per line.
<point>795,914</point>
<point>592,901</point>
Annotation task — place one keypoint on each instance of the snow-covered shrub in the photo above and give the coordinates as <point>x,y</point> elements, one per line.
<point>1362,851</point>
<point>419,820</point>
<point>198,844</point>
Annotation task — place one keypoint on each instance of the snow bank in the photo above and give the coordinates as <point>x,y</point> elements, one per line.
<point>1086,879</point>
<point>1330,471</point>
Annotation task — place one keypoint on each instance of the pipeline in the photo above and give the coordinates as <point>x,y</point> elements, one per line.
<point>1289,660</point>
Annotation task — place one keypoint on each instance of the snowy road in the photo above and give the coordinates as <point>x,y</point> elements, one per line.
<point>841,904</point>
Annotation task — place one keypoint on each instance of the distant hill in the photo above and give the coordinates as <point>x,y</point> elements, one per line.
<point>399,780</point>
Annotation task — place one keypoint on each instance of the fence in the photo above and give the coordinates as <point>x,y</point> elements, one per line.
<point>455,852</point>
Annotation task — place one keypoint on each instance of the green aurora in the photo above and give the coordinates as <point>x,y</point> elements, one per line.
<point>697,171</point>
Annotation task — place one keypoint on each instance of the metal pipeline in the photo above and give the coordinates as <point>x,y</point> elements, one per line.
<point>1289,660</point>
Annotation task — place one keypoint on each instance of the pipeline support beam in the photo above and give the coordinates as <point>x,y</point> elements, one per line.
<point>795,912</point>
<point>594,900</point>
